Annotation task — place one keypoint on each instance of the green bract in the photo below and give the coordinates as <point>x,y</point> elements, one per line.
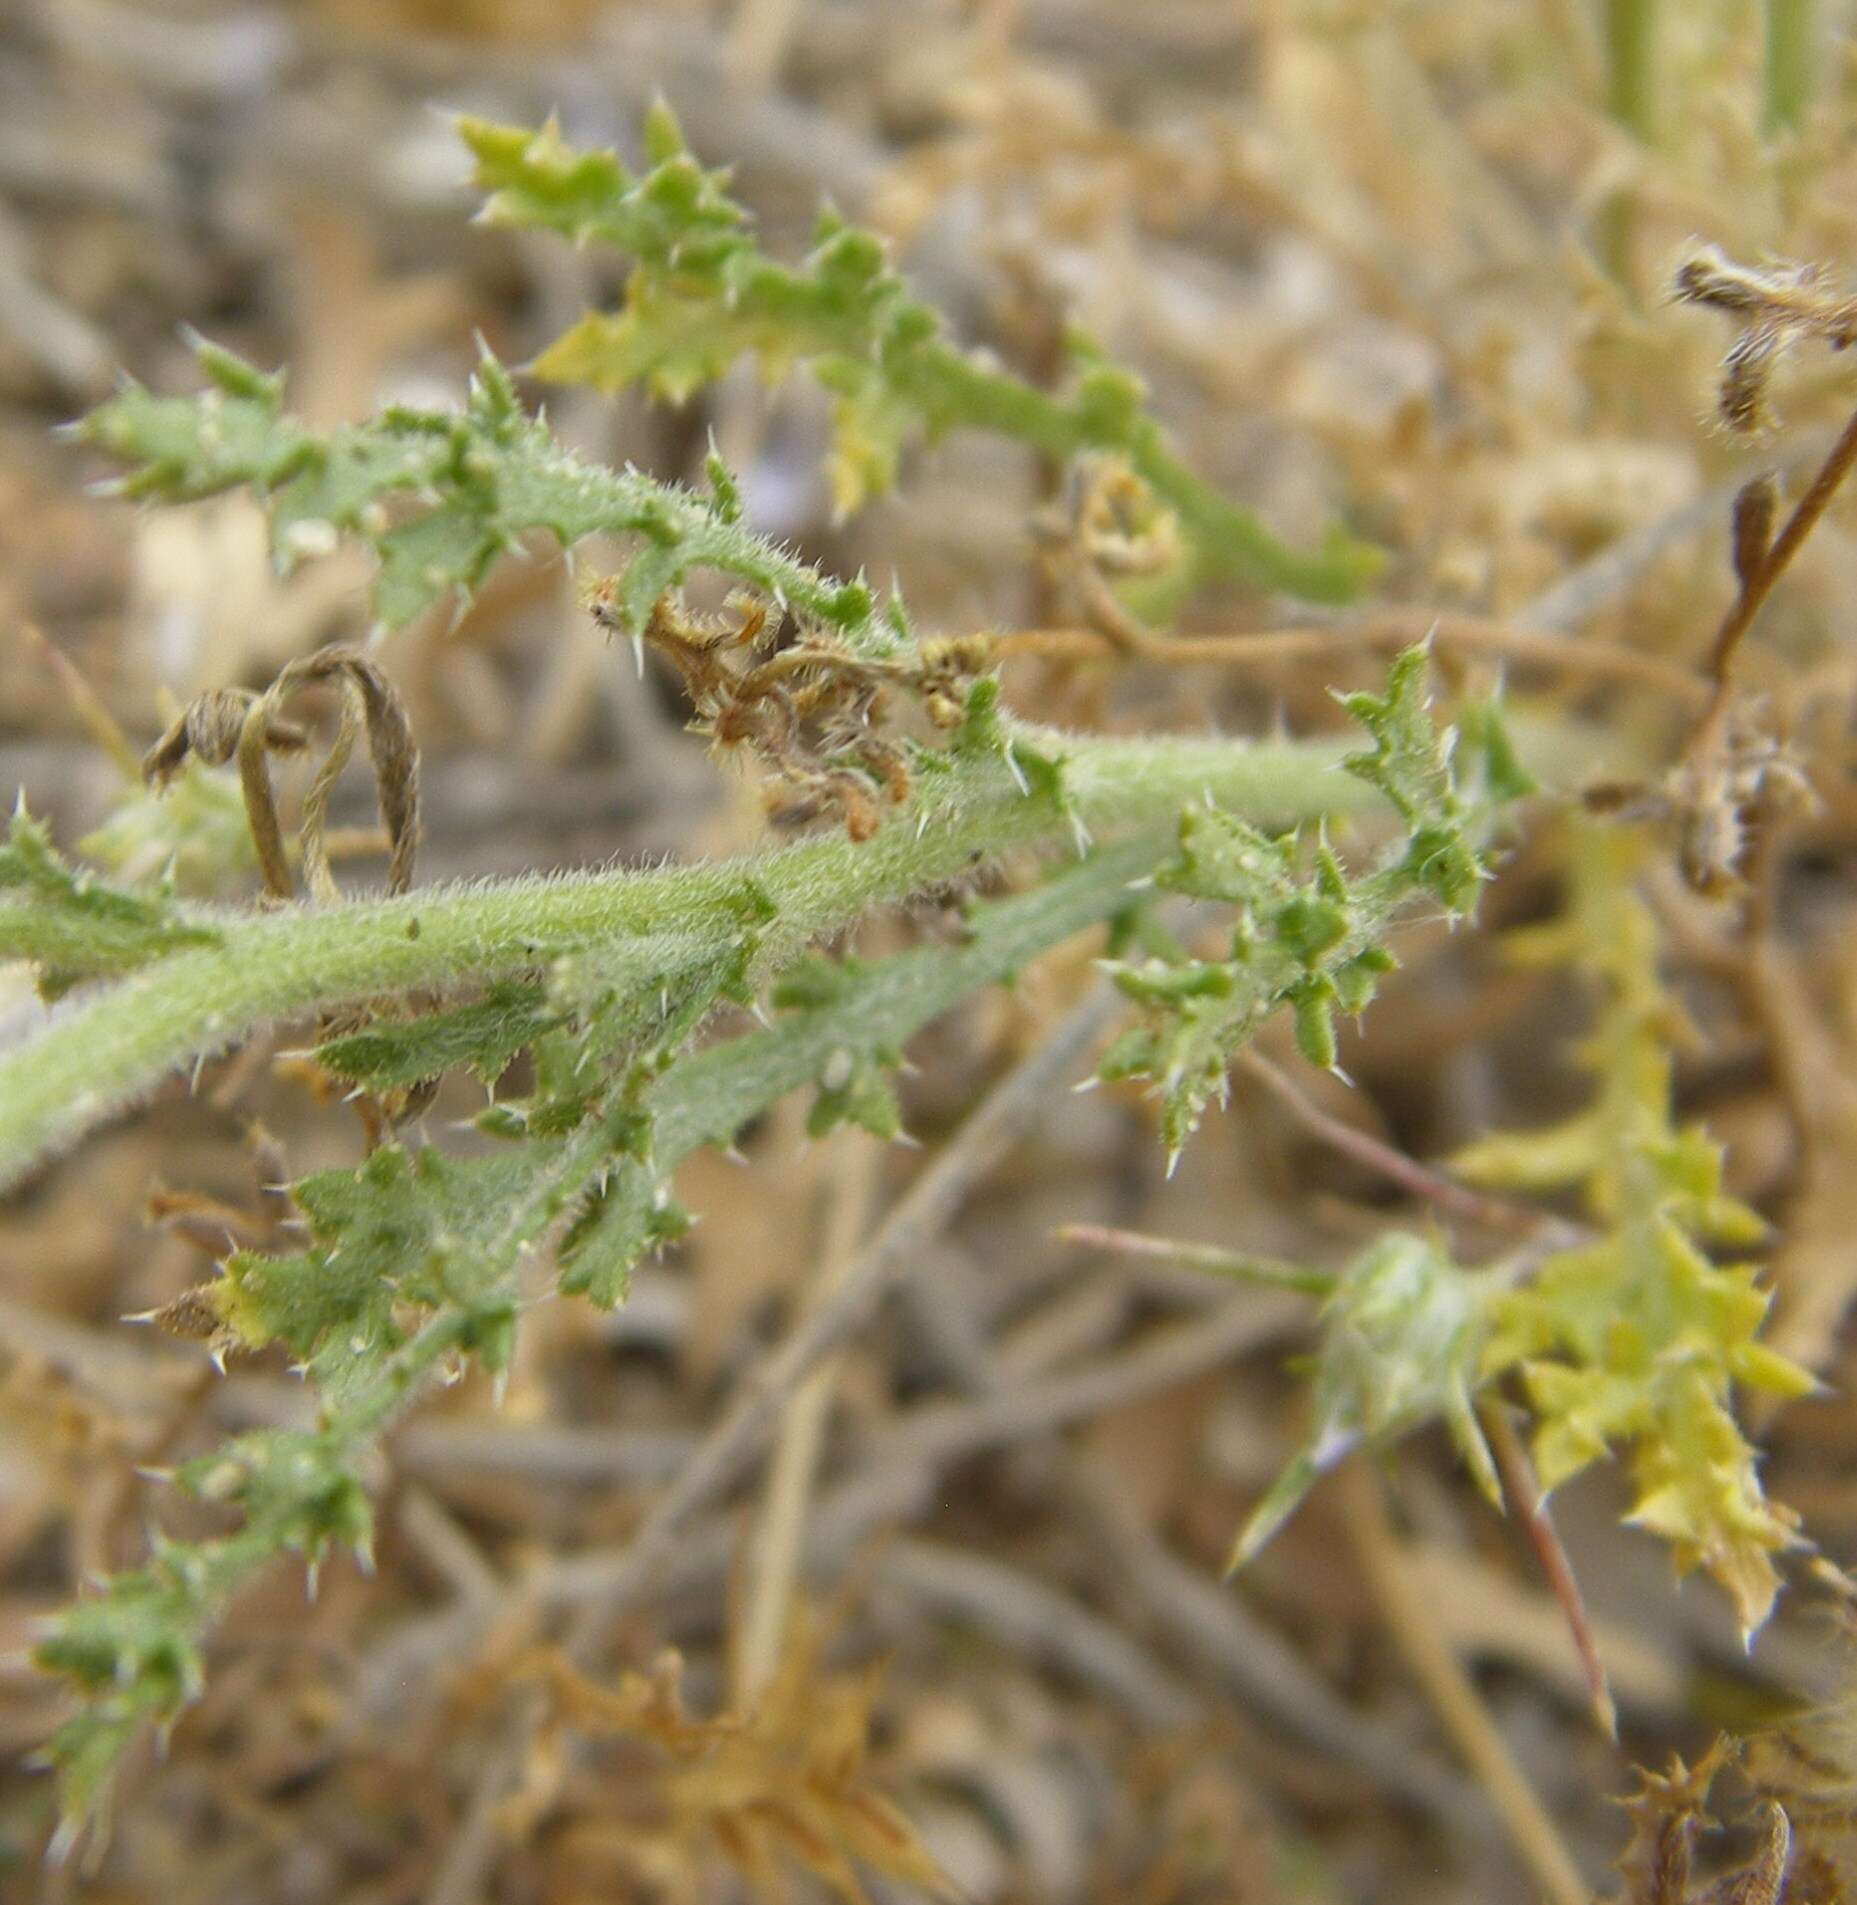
<point>1306,935</point>
<point>1402,1341</point>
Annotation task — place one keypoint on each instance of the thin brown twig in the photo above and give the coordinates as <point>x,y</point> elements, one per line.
<point>1429,1186</point>
<point>1522,1489</point>
<point>1758,584</point>
<point>1452,1693</point>
<point>1031,1618</point>
<point>849,1175</point>
<point>1599,660</point>
<point>87,704</point>
<point>1236,1266</point>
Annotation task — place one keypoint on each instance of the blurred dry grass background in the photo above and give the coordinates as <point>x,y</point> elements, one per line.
<point>1391,259</point>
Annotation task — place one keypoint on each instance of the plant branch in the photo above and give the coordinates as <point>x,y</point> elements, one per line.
<point>1807,513</point>
<point>702,293</point>
<point>1381,633</point>
<point>109,1050</point>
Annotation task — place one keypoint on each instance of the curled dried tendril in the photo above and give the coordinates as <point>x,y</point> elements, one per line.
<point>227,724</point>
<point>818,714</point>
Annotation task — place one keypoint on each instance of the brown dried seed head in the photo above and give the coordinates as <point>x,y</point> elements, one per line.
<point>1709,277</point>
<point>1747,370</point>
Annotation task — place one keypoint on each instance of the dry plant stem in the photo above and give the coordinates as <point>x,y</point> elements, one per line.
<point>1453,1696</point>
<point>1005,1412</point>
<point>87,705</point>
<point>848,1172</point>
<point>1806,515</point>
<point>1030,1619</point>
<point>1237,1266</point>
<point>1521,1489</point>
<point>1429,1186</point>
<point>1011,1107</point>
<point>1535,647</point>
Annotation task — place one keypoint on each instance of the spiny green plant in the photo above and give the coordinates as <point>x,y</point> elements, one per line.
<point>621,985</point>
<point>1632,1339</point>
<point>701,293</point>
<point>1314,941</point>
<point>418,1259</point>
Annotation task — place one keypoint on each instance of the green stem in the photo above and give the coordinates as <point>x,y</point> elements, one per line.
<point>1632,43</point>
<point>1271,1273</point>
<point>702,293</point>
<point>1792,48</point>
<point>1229,542</point>
<point>264,968</point>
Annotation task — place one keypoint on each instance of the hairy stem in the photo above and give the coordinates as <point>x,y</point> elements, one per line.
<point>108,1050</point>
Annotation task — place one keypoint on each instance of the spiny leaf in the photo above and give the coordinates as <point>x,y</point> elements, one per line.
<point>852,1084</point>
<point>439,496</point>
<point>74,926</point>
<point>295,1483</point>
<point>631,1215</point>
<point>701,294</point>
<point>1305,934</point>
<point>480,1038</point>
<point>422,1229</point>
